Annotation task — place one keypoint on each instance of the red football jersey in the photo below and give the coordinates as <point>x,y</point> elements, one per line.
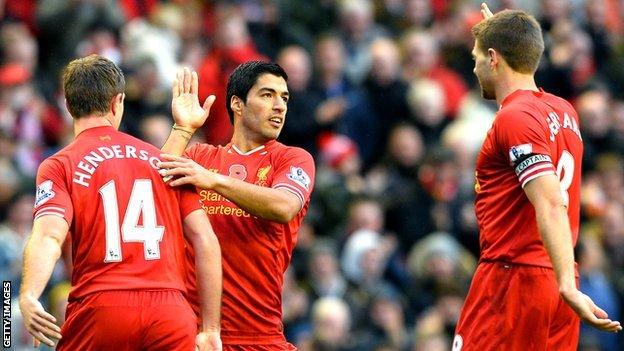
<point>255,252</point>
<point>533,134</point>
<point>125,223</point>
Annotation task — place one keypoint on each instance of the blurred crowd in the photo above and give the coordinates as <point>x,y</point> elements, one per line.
<point>382,95</point>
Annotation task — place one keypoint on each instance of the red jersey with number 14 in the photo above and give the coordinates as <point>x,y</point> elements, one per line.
<point>124,221</point>
<point>255,252</point>
<point>533,134</point>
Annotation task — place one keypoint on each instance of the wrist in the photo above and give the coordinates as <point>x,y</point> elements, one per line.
<point>567,289</point>
<point>184,129</point>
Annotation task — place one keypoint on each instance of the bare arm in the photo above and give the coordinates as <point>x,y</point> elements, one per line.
<point>187,113</point>
<point>552,221</point>
<point>40,255</point>
<point>271,204</point>
<point>199,232</point>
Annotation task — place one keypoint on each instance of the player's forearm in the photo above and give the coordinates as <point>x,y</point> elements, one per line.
<point>555,232</point>
<point>40,256</point>
<point>209,280</point>
<point>178,140</point>
<point>266,203</point>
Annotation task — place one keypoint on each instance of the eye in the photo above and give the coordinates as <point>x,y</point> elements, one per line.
<point>266,95</point>
<point>285,98</point>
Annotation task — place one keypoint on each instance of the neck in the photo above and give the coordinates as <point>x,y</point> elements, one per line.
<point>513,81</point>
<point>246,142</point>
<point>91,121</point>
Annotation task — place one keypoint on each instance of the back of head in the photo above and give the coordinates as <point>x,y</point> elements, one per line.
<point>245,76</point>
<point>515,35</point>
<point>90,83</point>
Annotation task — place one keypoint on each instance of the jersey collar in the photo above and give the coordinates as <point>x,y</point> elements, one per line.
<point>258,149</point>
<point>96,130</point>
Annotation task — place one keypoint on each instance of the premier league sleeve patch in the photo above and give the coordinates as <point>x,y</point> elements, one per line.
<point>516,152</point>
<point>44,193</point>
<point>299,176</point>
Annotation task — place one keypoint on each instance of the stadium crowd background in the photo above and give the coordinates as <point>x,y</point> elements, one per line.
<point>382,95</point>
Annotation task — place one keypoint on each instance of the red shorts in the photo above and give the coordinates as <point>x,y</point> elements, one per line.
<point>515,307</point>
<point>285,346</point>
<point>129,320</point>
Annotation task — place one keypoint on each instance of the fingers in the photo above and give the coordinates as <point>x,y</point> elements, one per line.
<point>187,80</point>
<point>48,327</point>
<point>42,338</point>
<point>173,158</point>
<point>175,90</point>
<point>600,313</point>
<point>485,11</point>
<point>182,181</point>
<point>174,172</point>
<point>208,103</point>
<point>180,82</point>
<point>36,343</point>
<point>604,324</point>
<point>194,83</point>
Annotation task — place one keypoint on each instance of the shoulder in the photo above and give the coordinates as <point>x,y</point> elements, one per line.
<point>291,151</point>
<point>519,114</point>
<point>60,160</point>
<point>199,149</point>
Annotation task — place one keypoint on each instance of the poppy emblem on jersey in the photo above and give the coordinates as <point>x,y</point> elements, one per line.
<point>517,151</point>
<point>299,176</point>
<point>44,193</point>
<point>238,171</point>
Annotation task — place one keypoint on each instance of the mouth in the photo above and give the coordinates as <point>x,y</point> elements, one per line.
<point>276,121</point>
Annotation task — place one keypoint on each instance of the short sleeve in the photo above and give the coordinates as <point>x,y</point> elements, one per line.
<point>189,201</point>
<point>52,196</point>
<point>295,172</point>
<point>524,141</point>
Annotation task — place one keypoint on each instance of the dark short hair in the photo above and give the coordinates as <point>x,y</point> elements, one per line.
<point>245,76</point>
<point>514,34</point>
<point>90,83</point>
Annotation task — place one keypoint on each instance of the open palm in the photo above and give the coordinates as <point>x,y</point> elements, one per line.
<point>187,112</point>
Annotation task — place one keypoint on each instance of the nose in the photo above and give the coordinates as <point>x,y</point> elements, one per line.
<point>279,104</point>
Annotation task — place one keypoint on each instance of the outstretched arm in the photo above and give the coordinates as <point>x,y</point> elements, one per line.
<point>272,204</point>
<point>187,113</point>
<point>199,232</point>
<point>40,255</point>
<point>552,221</point>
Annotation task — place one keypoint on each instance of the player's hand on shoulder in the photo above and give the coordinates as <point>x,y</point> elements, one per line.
<point>187,112</point>
<point>185,171</point>
<point>39,323</point>
<point>208,341</point>
<point>589,312</point>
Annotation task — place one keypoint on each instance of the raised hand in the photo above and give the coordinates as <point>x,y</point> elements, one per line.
<point>485,11</point>
<point>188,114</point>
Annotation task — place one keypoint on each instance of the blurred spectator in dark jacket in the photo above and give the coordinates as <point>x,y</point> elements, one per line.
<point>395,183</point>
<point>386,89</point>
<point>64,23</point>
<point>358,30</point>
<point>593,110</point>
<point>346,108</point>
<point>303,126</point>
<point>145,96</point>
